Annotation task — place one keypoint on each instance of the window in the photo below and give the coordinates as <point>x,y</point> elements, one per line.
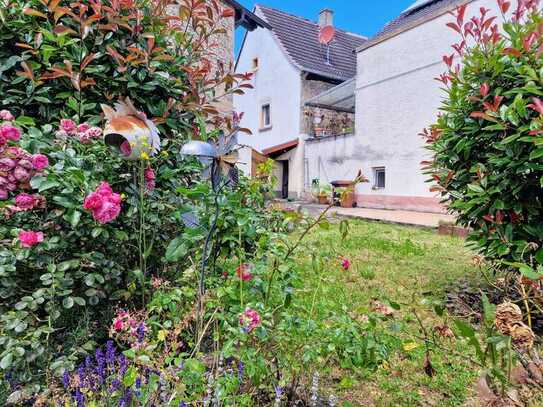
<point>379,178</point>
<point>265,118</point>
<point>255,64</point>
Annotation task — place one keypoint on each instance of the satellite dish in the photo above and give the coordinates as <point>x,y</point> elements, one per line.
<point>327,34</point>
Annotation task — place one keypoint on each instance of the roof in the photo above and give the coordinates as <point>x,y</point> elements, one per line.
<point>419,13</point>
<point>279,149</point>
<point>340,97</point>
<point>245,18</point>
<point>299,39</point>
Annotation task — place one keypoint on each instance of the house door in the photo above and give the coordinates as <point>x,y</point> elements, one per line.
<point>284,188</point>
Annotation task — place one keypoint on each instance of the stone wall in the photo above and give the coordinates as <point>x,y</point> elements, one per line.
<point>220,53</point>
<point>332,122</point>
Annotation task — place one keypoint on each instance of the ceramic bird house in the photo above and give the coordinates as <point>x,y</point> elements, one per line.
<point>129,131</point>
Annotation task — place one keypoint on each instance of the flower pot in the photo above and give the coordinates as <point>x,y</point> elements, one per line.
<point>323,199</point>
<point>347,200</point>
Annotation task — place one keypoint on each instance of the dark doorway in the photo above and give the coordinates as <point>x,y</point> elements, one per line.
<point>284,189</point>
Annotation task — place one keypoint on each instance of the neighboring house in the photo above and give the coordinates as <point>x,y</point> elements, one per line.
<point>291,66</point>
<point>396,97</point>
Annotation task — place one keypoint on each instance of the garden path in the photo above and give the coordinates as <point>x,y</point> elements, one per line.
<point>409,218</point>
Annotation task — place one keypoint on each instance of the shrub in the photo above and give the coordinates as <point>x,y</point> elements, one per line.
<point>487,140</point>
<point>81,262</point>
<point>62,59</point>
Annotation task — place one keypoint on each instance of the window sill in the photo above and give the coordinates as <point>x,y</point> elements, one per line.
<point>377,188</point>
<point>267,128</point>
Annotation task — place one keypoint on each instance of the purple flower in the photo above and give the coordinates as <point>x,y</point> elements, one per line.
<point>241,370</point>
<point>138,386</point>
<point>126,399</point>
<point>79,398</point>
<point>141,332</point>
<point>123,364</point>
<point>100,365</point>
<point>182,404</point>
<point>115,384</point>
<point>110,353</point>
<point>66,379</point>
<point>88,362</point>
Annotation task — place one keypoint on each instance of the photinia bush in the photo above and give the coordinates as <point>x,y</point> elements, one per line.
<point>62,59</point>
<point>487,142</point>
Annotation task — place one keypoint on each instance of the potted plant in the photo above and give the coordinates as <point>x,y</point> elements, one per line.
<point>323,193</point>
<point>345,190</point>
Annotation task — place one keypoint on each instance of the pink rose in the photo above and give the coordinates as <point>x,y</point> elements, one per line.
<point>249,320</point>
<point>93,201</point>
<point>84,139</point>
<point>115,199</point>
<point>39,162</point>
<point>3,194</point>
<point>94,132</point>
<point>30,238</point>
<point>26,164</point>
<point>25,201</point>
<point>243,272</point>
<point>6,115</point>
<point>3,140</point>
<point>82,128</point>
<point>345,263</point>
<point>104,189</point>
<point>118,325</point>
<point>107,212</point>
<point>150,177</point>
<point>10,132</point>
<point>68,126</point>
<point>7,164</point>
<point>104,203</point>
<point>21,174</point>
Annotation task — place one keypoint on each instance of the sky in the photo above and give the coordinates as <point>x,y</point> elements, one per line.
<point>364,17</point>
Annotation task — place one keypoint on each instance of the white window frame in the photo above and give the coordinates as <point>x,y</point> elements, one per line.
<point>263,124</point>
<point>376,172</point>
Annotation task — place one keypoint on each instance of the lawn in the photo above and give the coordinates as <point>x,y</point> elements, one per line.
<point>391,264</point>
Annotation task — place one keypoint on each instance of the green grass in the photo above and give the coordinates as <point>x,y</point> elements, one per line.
<point>395,264</point>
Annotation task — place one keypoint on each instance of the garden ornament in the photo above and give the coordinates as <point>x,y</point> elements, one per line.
<point>219,159</point>
<point>130,131</point>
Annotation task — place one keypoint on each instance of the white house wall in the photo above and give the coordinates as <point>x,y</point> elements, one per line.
<point>276,81</point>
<point>396,98</point>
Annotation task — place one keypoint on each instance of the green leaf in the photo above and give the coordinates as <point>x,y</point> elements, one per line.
<point>176,250</point>
<point>6,361</point>
<point>68,302</point>
<point>476,188</point>
<point>530,273</point>
<point>536,154</point>
<point>45,185</point>
<point>130,377</point>
<point>74,217</point>
<point>466,330</point>
<point>25,121</point>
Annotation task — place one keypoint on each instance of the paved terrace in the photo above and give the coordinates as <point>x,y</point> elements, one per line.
<point>409,218</point>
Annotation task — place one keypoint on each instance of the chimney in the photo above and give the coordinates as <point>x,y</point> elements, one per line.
<point>326,17</point>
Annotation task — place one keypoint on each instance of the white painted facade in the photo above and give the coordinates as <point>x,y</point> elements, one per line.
<point>277,82</point>
<point>274,75</point>
<point>396,97</point>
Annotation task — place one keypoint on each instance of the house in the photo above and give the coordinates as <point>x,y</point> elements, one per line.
<point>396,96</point>
<point>294,61</point>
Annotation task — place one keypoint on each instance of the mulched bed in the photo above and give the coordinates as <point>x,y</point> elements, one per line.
<point>464,299</point>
